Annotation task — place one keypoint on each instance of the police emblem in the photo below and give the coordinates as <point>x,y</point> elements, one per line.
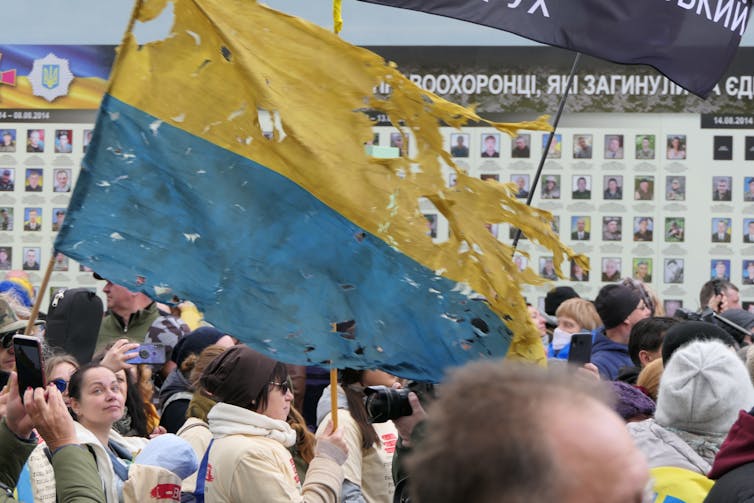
<point>50,77</point>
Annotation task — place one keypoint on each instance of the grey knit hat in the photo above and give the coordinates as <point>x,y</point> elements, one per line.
<point>702,388</point>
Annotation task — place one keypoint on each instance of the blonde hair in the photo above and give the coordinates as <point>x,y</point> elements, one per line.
<point>199,363</point>
<point>54,361</point>
<point>649,377</point>
<point>582,311</point>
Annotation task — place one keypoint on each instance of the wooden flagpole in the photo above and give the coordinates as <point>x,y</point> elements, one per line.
<point>40,294</point>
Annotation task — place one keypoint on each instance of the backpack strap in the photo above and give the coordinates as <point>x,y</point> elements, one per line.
<point>181,395</point>
<point>202,475</point>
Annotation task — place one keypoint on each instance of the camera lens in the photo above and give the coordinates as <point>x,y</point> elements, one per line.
<point>384,404</point>
<point>143,354</point>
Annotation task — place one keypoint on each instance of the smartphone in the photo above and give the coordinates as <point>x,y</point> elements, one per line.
<point>29,363</point>
<point>581,348</point>
<point>4,376</point>
<point>148,353</point>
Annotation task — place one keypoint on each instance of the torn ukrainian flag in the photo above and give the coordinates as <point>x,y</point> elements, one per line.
<point>278,238</point>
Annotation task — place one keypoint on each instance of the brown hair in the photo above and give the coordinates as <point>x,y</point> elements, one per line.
<point>305,439</point>
<point>355,399</point>
<point>200,363</point>
<point>56,360</point>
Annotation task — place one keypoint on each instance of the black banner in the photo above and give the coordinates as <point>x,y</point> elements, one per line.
<point>690,41</point>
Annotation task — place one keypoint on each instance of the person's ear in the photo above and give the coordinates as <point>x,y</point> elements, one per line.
<point>75,407</point>
<point>644,357</point>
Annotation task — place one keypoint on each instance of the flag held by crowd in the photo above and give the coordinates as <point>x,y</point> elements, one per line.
<point>692,42</point>
<point>228,167</point>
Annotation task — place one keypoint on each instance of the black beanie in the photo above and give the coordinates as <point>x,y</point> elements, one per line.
<point>614,303</point>
<point>682,333</point>
<point>194,343</point>
<point>557,296</point>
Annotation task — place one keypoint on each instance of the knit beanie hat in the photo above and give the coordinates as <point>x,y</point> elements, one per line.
<point>688,331</point>
<point>703,387</point>
<point>556,296</point>
<point>194,343</point>
<point>631,401</point>
<point>237,376</point>
<point>614,303</point>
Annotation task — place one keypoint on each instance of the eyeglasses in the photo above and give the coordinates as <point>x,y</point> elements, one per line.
<point>60,383</point>
<point>284,386</point>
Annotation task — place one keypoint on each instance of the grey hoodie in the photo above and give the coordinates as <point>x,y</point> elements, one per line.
<point>662,447</point>
<point>323,406</point>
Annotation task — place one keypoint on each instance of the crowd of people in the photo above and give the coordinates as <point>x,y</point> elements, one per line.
<point>663,409</point>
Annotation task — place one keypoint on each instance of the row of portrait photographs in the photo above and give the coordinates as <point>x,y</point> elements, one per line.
<point>672,305</point>
<point>37,140</point>
<point>643,229</point>
<point>581,188</point>
<point>33,220</point>
<point>582,147</point>
<point>31,257</point>
<point>673,269</point>
<point>614,146</point>
<point>34,179</point>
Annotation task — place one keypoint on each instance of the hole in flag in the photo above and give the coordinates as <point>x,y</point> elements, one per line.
<point>347,335</point>
<point>226,53</point>
<point>481,329</point>
<point>201,66</point>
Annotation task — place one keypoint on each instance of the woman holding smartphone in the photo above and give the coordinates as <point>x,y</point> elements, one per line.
<point>97,403</point>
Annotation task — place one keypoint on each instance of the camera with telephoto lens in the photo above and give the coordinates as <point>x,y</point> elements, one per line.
<point>384,404</point>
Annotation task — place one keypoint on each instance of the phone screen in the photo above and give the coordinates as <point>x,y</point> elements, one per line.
<point>29,364</point>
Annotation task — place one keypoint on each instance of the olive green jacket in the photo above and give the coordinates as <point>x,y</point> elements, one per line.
<point>76,475</point>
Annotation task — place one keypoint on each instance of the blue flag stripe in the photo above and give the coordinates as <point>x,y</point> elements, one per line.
<point>249,243</point>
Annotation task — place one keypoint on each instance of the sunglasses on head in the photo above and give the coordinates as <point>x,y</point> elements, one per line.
<point>639,288</point>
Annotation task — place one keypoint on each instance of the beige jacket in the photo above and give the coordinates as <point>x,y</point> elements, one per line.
<point>195,432</point>
<point>43,477</point>
<point>249,460</point>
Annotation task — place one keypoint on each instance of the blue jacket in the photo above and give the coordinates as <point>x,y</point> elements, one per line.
<point>609,356</point>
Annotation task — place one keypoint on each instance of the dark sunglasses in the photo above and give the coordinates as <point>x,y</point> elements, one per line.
<point>7,337</point>
<point>60,383</point>
<point>284,386</point>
